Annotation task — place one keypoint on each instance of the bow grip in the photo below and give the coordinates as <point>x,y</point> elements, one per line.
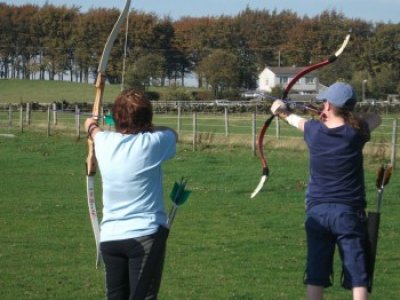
<point>91,164</point>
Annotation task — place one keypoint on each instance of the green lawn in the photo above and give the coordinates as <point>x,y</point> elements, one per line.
<point>222,245</point>
<point>16,91</point>
<point>48,91</point>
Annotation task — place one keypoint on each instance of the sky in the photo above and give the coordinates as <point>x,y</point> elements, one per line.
<point>368,10</point>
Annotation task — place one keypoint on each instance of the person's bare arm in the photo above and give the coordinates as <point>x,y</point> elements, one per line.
<point>91,127</point>
<point>279,109</point>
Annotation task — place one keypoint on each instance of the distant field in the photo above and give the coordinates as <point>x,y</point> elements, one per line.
<point>16,91</point>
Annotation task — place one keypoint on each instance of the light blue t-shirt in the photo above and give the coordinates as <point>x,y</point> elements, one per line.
<point>130,166</point>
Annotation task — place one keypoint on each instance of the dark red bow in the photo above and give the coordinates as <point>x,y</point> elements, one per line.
<point>327,61</point>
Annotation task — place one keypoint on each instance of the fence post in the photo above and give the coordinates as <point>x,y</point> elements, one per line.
<point>55,113</point>
<point>394,142</point>
<point>179,118</point>
<point>21,117</point>
<point>77,121</point>
<point>254,133</point>
<point>10,115</point>
<point>226,122</point>
<point>28,113</point>
<point>194,130</point>
<point>48,120</point>
<point>277,128</point>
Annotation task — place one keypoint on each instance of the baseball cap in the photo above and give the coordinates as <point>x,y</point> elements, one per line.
<point>340,94</point>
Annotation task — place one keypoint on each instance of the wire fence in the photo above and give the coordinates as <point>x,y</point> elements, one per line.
<point>199,127</point>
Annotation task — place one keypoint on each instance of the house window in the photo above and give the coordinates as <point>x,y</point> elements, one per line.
<point>283,79</point>
<point>310,80</point>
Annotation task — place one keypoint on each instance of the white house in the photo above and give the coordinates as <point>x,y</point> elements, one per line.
<point>281,76</point>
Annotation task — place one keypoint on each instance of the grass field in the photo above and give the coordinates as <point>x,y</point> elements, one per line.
<point>222,245</point>
<point>17,91</point>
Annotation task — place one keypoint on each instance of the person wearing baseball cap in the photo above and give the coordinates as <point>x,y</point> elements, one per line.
<point>335,196</point>
<point>340,95</point>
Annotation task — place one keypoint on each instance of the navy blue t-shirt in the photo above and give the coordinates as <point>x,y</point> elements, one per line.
<point>336,165</point>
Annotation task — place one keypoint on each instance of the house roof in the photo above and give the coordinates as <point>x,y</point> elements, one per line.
<point>287,70</point>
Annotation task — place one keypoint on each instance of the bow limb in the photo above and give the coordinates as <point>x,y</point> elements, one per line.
<point>91,164</point>
<point>329,60</point>
<point>265,169</point>
<point>319,65</point>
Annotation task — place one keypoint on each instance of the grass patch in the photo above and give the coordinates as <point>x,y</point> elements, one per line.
<point>222,245</point>
<point>48,91</point>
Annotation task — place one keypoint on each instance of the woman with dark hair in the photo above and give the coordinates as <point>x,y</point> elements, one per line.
<point>335,197</point>
<point>130,162</point>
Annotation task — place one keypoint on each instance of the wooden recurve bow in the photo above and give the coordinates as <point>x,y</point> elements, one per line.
<point>91,164</point>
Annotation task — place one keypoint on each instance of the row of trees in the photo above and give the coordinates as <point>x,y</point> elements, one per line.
<point>226,52</point>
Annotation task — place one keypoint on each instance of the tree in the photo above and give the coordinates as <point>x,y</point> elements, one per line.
<point>192,36</point>
<point>60,39</point>
<point>220,70</point>
<point>147,70</point>
<point>7,40</point>
<point>385,59</point>
<point>57,24</point>
<point>385,80</point>
<point>263,32</point>
<point>150,35</point>
<point>163,35</point>
<point>182,44</point>
<point>26,46</point>
<point>89,40</point>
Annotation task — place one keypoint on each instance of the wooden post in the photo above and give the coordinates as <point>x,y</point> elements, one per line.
<point>10,115</point>
<point>226,122</point>
<point>277,128</point>
<point>21,117</point>
<point>179,118</point>
<point>194,130</point>
<point>254,133</point>
<point>55,113</point>
<point>28,113</point>
<point>394,142</point>
<point>77,122</point>
<point>48,120</point>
